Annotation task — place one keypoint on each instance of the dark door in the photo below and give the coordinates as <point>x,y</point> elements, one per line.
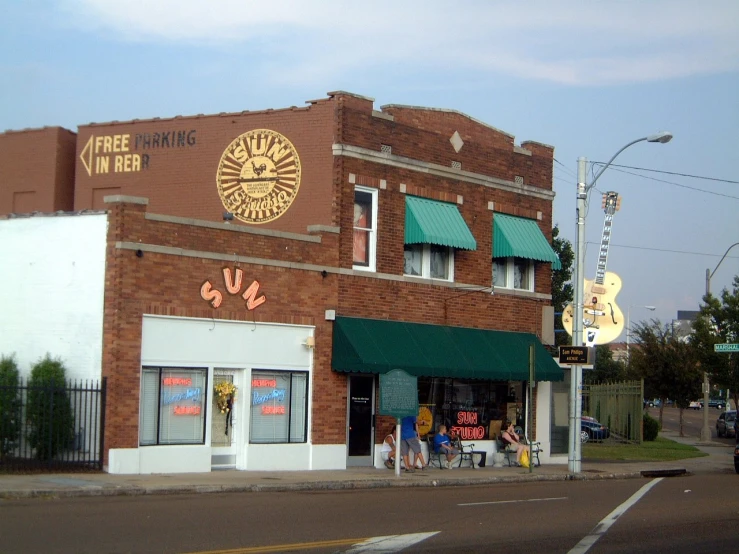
<point>361,431</point>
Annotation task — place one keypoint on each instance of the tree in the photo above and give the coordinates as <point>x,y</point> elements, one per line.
<point>49,411</point>
<point>562,289</point>
<point>668,365</point>
<point>718,322</point>
<point>10,406</point>
<point>605,368</point>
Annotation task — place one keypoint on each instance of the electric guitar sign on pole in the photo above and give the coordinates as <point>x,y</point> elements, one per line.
<point>603,320</point>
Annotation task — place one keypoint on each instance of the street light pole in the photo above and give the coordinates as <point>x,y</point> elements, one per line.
<point>628,326</point>
<point>574,458</point>
<point>706,430</point>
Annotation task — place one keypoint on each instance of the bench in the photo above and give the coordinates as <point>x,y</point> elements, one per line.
<point>466,453</point>
<point>510,451</point>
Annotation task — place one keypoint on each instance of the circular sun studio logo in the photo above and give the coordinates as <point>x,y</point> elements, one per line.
<point>258,176</point>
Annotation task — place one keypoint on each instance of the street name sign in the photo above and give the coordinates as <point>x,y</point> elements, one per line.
<point>726,347</point>
<point>574,355</point>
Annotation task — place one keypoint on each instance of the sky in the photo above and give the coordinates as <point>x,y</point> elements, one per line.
<point>586,77</point>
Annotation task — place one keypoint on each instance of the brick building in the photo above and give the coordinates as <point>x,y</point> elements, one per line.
<point>294,255</point>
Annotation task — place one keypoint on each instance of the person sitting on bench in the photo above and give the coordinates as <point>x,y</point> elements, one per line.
<point>388,451</point>
<point>443,445</point>
<point>510,437</point>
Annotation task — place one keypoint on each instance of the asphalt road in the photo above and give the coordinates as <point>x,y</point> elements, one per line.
<point>682,514</point>
<point>692,422</point>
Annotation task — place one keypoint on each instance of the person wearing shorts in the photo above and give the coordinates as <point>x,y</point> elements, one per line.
<point>409,440</point>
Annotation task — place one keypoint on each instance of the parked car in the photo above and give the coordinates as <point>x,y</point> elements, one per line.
<point>695,405</point>
<point>736,457</point>
<point>725,424</point>
<point>593,430</point>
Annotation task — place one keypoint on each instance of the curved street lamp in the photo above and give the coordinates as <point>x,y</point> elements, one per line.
<point>706,430</point>
<point>574,451</point>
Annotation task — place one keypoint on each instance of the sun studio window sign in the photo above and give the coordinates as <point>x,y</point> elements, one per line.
<point>258,176</point>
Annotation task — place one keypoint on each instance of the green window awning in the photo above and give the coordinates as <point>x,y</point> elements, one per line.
<point>378,346</point>
<point>521,238</point>
<point>431,222</point>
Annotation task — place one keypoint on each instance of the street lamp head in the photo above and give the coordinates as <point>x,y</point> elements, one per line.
<point>662,136</point>
<point>651,308</point>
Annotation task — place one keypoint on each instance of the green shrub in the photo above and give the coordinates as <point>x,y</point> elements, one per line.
<point>49,411</point>
<point>651,428</point>
<point>10,406</point>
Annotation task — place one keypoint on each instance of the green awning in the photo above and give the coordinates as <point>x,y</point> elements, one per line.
<point>521,238</point>
<point>432,222</point>
<point>378,346</point>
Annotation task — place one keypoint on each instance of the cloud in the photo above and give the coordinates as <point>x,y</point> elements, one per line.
<point>573,42</point>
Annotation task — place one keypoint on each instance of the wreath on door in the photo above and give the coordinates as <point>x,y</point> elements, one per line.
<point>225,395</point>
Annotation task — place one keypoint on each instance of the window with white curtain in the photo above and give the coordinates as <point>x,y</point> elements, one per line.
<point>428,260</point>
<point>279,407</point>
<point>172,407</point>
<point>513,273</point>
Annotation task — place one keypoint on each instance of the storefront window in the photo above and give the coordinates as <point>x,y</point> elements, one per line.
<point>472,409</point>
<point>172,409</point>
<point>279,407</point>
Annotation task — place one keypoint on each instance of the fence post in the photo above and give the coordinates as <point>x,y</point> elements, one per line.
<point>104,395</point>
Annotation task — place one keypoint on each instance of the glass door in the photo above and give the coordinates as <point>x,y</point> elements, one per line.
<point>361,429</point>
<point>223,421</point>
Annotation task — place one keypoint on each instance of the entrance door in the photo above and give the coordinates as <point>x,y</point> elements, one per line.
<point>223,445</point>
<point>361,430</point>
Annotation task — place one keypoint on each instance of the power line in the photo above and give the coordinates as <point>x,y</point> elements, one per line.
<point>663,250</point>
<point>675,184</point>
<point>566,168</point>
<point>673,173</point>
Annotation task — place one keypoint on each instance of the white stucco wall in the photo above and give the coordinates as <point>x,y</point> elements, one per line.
<point>52,281</point>
<point>242,347</point>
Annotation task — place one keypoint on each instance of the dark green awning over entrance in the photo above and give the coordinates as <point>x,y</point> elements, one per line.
<point>431,222</point>
<point>378,346</point>
<point>521,238</point>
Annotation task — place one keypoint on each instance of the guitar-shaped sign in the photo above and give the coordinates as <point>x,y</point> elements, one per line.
<point>603,320</point>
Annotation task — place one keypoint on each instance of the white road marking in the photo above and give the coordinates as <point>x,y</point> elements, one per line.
<point>600,529</point>
<point>389,544</point>
<point>512,501</point>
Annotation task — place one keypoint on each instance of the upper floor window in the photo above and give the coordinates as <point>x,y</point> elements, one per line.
<point>433,230</point>
<point>365,228</point>
<point>513,273</point>
<point>429,260</point>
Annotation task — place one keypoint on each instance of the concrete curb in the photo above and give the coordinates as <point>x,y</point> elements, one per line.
<point>331,485</point>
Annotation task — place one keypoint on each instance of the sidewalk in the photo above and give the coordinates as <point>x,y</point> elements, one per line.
<point>719,460</point>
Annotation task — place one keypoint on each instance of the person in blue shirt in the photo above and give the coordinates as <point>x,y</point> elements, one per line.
<point>443,445</point>
<point>409,440</point>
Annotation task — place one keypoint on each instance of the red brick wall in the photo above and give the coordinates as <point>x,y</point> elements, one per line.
<point>37,170</point>
<point>180,180</point>
<point>170,285</point>
<point>423,134</point>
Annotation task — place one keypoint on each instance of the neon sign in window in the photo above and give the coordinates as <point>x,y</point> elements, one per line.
<point>172,409</point>
<point>279,407</point>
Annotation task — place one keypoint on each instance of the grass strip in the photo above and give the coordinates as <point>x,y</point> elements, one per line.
<point>660,450</point>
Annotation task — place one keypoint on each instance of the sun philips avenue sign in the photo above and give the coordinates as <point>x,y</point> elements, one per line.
<point>726,347</point>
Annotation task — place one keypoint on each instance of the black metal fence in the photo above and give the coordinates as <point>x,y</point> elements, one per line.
<point>52,428</point>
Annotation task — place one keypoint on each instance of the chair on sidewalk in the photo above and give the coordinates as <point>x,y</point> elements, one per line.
<point>466,452</point>
<point>436,459</point>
